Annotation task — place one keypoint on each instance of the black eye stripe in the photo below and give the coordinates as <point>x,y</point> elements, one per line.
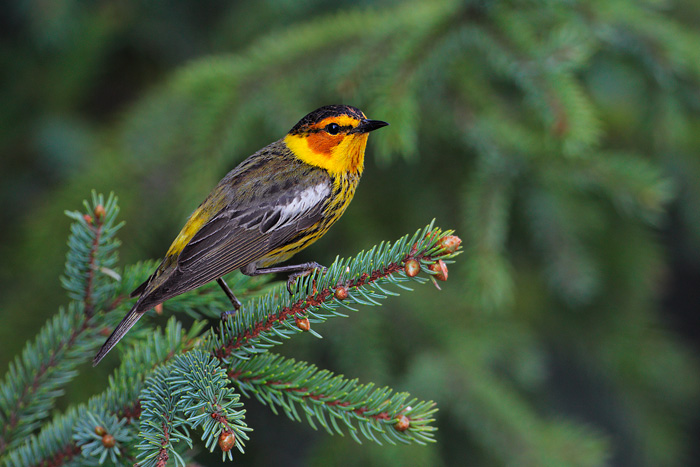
<point>341,129</point>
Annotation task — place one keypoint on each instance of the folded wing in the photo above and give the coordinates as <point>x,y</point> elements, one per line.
<point>249,226</point>
<point>235,238</point>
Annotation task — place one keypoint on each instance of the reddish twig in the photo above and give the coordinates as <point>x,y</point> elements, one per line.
<point>13,418</point>
<point>316,298</point>
<point>304,393</point>
<point>67,453</point>
<point>87,301</point>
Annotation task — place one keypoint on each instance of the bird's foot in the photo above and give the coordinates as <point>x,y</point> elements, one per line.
<point>292,279</point>
<point>228,314</point>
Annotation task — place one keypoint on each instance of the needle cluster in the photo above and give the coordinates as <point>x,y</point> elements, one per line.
<point>176,385</point>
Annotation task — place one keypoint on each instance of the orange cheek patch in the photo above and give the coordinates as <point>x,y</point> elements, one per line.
<point>322,143</point>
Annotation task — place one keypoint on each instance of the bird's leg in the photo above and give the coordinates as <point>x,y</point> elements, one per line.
<point>234,301</point>
<point>295,271</point>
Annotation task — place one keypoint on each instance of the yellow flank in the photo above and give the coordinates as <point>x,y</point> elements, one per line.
<point>199,217</point>
<point>194,223</point>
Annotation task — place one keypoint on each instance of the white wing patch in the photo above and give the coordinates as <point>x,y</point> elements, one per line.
<point>301,204</point>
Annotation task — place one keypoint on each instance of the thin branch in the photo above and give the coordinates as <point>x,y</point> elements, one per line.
<point>359,279</point>
<point>89,306</point>
<point>327,399</point>
<point>62,457</point>
<point>21,406</point>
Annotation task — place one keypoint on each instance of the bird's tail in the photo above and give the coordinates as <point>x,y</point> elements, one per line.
<point>122,328</point>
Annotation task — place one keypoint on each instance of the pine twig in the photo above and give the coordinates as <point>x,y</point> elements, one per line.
<point>56,443</point>
<point>177,380</point>
<point>327,399</point>
<point>354,281</point>
<point>34,381</point>
<point>191,391</point>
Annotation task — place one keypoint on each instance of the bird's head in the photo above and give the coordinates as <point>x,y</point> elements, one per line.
<point>333,137</point>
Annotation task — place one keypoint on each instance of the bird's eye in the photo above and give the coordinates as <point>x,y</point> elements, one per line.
<point>333,128</point>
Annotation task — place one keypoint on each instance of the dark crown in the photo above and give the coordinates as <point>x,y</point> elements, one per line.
<point>325,112</point>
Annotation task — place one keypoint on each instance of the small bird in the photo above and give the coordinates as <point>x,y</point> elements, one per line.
<point>275,203</point>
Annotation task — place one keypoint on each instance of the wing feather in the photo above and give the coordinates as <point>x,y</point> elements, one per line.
<point>232,245</point>
<point>263,206</point>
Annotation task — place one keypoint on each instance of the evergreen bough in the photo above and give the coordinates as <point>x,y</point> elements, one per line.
<point>175,385</point>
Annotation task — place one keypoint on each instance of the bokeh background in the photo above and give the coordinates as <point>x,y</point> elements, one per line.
<point>560,139</point>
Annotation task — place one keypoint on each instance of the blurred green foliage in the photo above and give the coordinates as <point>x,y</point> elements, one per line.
<point>560,139</point>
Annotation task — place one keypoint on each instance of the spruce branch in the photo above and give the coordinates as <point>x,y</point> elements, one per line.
<point>191,391</point>
<point>176,381</point>
<point>328,399</point>
<point>35,380</point>
<point>487,209</point>
<point>52,446</point>
<point>101,435</point>
<point>362,280</point>
<point>570,270</point>
<point>92,252</point>
<point>57,442</point>
<point>634,185</point>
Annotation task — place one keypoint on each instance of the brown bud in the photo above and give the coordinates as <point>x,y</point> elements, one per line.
<point>382,416</point>
<point>449,244</point>
<point>159,309</point>
<point>429,236</point>
<point>87,218</point>
<point>440,270</point>
<point>99,211</point>
<point>303,323</point>
<point>402,424</point>
<point>100,431</point>
<point>341,293</point>
<point>432,234</point>
<point>227,440</point>
<point>108,441</point>
<point>412,267</point>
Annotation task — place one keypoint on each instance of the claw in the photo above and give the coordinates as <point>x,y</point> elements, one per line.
<point>229,313</point>
<point>291,280</point>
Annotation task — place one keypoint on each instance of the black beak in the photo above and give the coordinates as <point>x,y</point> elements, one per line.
<point>366,126</point>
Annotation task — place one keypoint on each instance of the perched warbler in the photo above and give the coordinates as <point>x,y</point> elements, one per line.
<point>275,203</point>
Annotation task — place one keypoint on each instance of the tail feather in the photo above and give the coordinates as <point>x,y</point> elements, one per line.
<point>122,328</point>
<point>140,289</point>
